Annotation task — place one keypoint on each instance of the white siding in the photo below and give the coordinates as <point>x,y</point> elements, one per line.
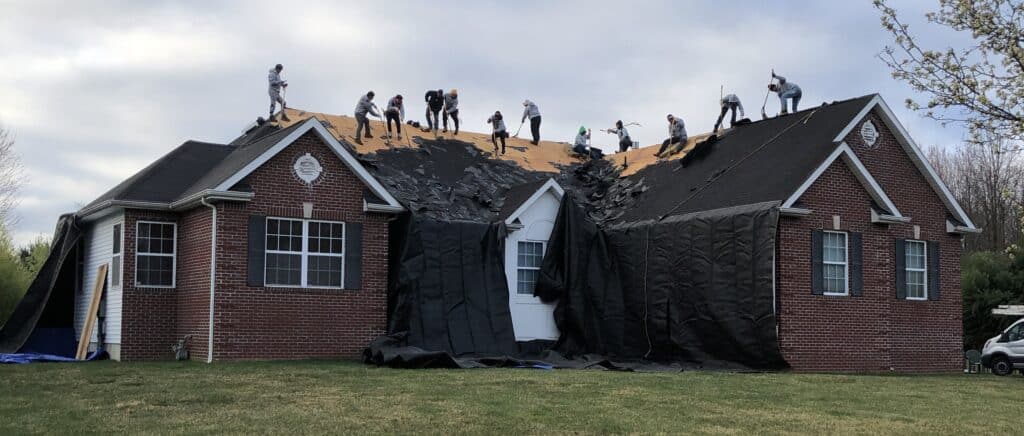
<point>531,318</point>
<point>98,247</point>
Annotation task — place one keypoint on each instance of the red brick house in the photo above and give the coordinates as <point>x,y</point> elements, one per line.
<point>276,246</point>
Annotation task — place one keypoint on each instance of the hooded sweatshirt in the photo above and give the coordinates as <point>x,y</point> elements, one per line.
<point>434,99</point>
<point>451,102</point>
<point>365,105</point>
<point>274,79</point>
<point>785,86</point>
<point>677,128</point>
<point>497,123</point>
<point>530,111</point>
<point>622,132</point>
<point>396,105</point>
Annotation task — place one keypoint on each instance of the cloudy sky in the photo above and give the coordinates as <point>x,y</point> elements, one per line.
<point>94,91</point>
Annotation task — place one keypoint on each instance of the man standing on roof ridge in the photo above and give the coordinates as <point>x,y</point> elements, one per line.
<point>786,90</point>
<point>729,102</point>
<point>451,108</point>
<point>395,112</point>
<point>364,106</point>
<point>274,89</point>
<point>676,132</point>
<point>624,140</point>
<point>498,131</point>
<point>531,111</point>
<point>435,102</point>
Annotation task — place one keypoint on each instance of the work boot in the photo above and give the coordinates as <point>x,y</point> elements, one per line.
<point>284,117</point>
<point>445,130</point>
<point>271,119</point>
<point>784,112</point>
<point>359,141</point>
<point>399,136</point>
<point>369,136</point>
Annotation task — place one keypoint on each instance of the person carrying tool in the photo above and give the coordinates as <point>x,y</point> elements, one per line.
<point>676,132</point>
<point>451,108</point>
<point>435,102</point>
<point>364,106</point>
<point>786,90</point>
<point>624,140</point>
<point>395,112</point>
<point>729,103</point>
<point>274,89</point>
<point>498,131</point>
<point>580,144</point>
<point>531,111</point>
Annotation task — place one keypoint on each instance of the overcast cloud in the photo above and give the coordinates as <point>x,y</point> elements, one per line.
<point>95,91</point>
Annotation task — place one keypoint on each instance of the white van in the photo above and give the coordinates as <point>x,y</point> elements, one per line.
<point>1005,352</point>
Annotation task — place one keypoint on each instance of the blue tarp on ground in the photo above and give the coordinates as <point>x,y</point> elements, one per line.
<point>39,357</point>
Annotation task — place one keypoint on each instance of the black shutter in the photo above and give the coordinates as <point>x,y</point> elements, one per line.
<point>257,253</point>
<point>933,270</point>
<point>353,255</point>
<point>901,269</point>
<point>856,265</point>
<point>817,266</point>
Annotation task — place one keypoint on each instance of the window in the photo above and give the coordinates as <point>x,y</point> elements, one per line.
<point>305,253</point>
<point>528,259</point>
<point>115,258</point>
<point>1015,333</point>
<point>834,257</point>
<point>154,254</point>
<point>917,270</point>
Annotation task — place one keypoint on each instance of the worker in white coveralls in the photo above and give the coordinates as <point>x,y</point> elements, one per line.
<point>274,86</point>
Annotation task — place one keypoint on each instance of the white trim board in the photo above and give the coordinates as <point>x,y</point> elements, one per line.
<point>550,184</point>
<point>913,151</point>
<point>346,157</point>
<point>866,180</point>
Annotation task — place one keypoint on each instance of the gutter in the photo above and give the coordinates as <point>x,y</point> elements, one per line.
<point>953,228</point>
<point>382,208</point>
<point>182,204</point>
<point>213,274</point>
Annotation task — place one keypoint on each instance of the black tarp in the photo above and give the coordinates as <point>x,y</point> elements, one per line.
<point>49,301</point>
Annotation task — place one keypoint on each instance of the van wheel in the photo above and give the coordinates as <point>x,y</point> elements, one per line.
<point>1001,365</point>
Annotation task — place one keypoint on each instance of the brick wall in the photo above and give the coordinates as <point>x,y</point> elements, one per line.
<point>875,331</point>
<point>193,284</point>
<point>149,315</point>
<point>291,323</point>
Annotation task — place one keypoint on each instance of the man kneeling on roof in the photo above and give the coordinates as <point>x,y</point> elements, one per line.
<point>498,131</point>
<point>729,102</point>
<point>624,140</point>
<point>676,132</point>
<point>580,144</point>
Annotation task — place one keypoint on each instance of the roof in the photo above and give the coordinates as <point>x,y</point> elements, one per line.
<point>517,195</point>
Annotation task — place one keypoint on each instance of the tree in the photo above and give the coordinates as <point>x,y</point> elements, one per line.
<point>980,86</point>
<point>990,279</point>
<point>11,177</point>
<point>32,256</point>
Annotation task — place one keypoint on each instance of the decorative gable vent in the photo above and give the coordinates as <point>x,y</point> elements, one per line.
<point>869,134</point>
<point>307,168</point>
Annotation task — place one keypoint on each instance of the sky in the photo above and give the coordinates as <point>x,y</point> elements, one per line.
<point>95,91</point>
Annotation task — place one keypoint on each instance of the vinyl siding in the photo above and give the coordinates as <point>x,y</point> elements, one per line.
<point>98,247</point>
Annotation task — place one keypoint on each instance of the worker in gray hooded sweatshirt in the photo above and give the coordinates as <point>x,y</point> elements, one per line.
<point>786,90</point>
<point>624,140</point>
<point>531,111</point>
<point>364,106</point>
<point>274,86</point>
<point>729,102</point>
<point>676,131</point>
<point>498,131</point>
<point>395,112</point>
<point>451,108</point>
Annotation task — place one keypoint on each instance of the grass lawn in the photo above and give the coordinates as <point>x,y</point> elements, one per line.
<point>345,397</point>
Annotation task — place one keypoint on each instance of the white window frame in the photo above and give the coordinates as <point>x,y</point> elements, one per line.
<point>907,269</point>
<point>845,264</point>
<point>173,255</point>
<point>118,258</point>
<point>543,251</point>
<point>305,253</point>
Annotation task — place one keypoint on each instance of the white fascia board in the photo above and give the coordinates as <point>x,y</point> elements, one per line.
<point>794,211</point>
<point>346,157</point>
<point>867,181</point>
<point>210,194</point>
<point>913,151</point>
<point>953,228</point>
<point>551,184</point>
<point>881,218</point>
<point>381,208</point>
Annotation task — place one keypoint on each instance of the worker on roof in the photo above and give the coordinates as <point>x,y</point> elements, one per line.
<point>451,108</point>
<point>531,111</point>
<point>498,131</point>
<point>786,90</point>
<point>729,103</point>
<point>624,140</point>
<point>395,112</point>
<point>582,139</point>
<point>676,132</point>
<point>435,102</point>
<point>364,106</point>
<point>274,89</point>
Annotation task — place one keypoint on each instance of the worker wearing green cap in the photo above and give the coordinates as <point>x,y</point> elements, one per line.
<point>582,138</point>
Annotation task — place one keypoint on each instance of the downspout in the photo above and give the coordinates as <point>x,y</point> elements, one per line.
<point>213,274</point>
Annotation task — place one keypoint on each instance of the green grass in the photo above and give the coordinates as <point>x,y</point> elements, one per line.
<point>344,397</point>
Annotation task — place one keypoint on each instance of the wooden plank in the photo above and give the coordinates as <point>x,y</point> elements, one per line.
<point>90,317</point>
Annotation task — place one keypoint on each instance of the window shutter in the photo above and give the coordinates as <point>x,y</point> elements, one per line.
<point>856,265</point>
<point>257,252</point>
<point>353,255</point>
<point>817,266</point>
<point>901,269</point>
<point>933,270</point>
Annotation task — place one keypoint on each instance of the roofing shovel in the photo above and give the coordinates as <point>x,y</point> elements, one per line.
<point>387,133</point>
<point>520,128</point>
<point>764,115</point>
